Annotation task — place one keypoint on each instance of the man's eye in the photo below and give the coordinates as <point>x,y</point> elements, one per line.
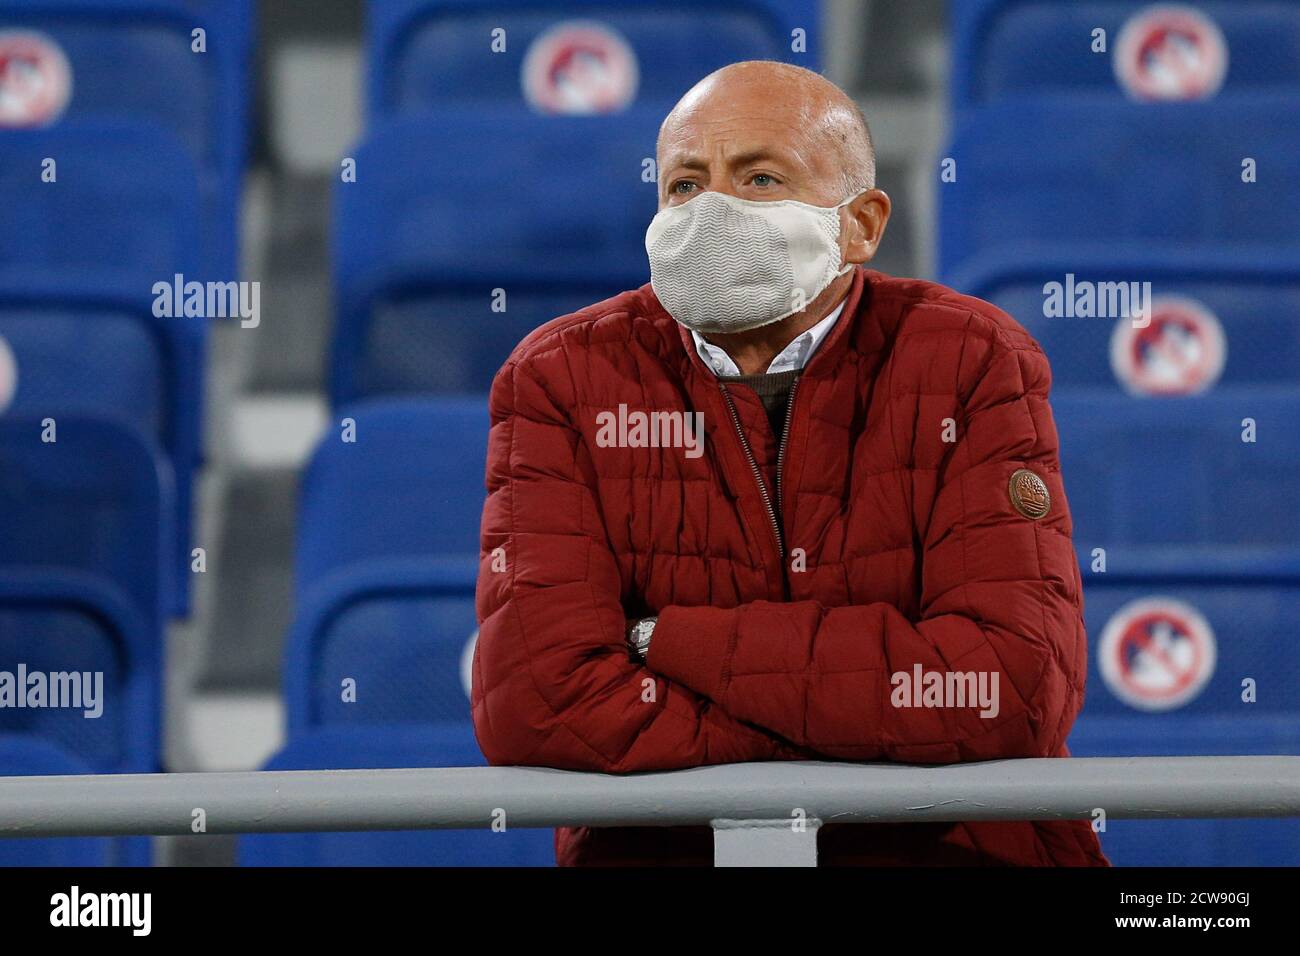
<point>683,186</point>
<point>763,179</point>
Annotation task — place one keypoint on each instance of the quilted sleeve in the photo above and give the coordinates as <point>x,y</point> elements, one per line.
<point>1000,605</point>
<point>552,681</point>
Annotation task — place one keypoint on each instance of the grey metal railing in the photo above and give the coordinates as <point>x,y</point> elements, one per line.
<point>764,813</point>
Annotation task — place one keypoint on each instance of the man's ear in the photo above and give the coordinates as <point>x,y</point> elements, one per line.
<point>864,226</point>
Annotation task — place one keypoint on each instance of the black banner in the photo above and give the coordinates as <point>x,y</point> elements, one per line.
<point>552,906</point>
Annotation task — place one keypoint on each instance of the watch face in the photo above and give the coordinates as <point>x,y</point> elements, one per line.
<point>641,634</point>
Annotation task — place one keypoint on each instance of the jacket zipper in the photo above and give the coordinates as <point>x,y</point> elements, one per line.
<point>753,463</point>
<point>785,434</point>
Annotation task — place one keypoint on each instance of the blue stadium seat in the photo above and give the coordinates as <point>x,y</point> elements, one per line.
<point>83,521</point>
<point>404,644</point>
<point>393,746</point>
<point>65,624</point>
<point>386,565</point>
<point>1169,488</point>
<point>28,757</point>
<point>410,485</point>
<point>1004,49</point>
<point>122,208</point>
<point>1252,624</point>
<point>1255,297</point>
<point>78,263</point>
<point>429,55</point>
<point>102,353</point>
<point>132,61</point>
<point>436,283</point>
<point>1246,842</point>
<point>69,354</point>
<point>1073,177</point>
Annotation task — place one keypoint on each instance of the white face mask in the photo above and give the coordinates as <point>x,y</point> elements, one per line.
<point>722,264</point>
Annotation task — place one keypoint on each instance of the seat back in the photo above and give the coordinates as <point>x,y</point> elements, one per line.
<point>138,61</point>
<point>429,55</point>
<point>1218,320</point>
<point>392,654</point>
<point>1005,49</point>
<point>1146,476</point>
<point>85,495</point>
<point>432,294</point>
<point>1172,662</point>
<point>411,484</point>
<point>1071,177</point>
<point>80,675</point>
<point>1192,669</point>
<point>1188,842</point>
<point>84,262</point>
<point>387,565</point>
<point>98,206</point>
<point>85,506</point>
<point>86,359</point>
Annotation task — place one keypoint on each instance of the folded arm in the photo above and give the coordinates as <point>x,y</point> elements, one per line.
<point>553,683</point>
<point>1000,597</point>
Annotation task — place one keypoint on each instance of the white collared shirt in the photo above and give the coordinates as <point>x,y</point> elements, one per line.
<point>793,356</point>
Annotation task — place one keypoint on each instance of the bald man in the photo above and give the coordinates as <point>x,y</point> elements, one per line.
<point>776,506</point>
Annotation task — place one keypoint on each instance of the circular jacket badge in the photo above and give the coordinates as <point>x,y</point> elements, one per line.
<point>1029,494</point>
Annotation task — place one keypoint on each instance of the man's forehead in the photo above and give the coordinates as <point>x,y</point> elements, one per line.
<point>736,136</point>
<point>745,107</point>
<point>736,98</point>
<point>771,85</point>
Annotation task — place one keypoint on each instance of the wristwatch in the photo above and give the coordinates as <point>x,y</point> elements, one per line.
<point>638,636</point>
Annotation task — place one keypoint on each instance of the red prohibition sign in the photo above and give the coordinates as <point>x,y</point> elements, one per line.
<point>1137,639</point>
<point>1157,653</point>
<point>1171,52</point>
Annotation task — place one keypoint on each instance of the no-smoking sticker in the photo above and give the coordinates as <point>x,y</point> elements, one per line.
<point>1156,653</point>
<point>35,79</point>
<point>580,67</point>
<point>1180,351</point>
<point>1171,53</point>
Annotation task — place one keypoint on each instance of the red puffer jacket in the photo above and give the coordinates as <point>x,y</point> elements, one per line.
<point>898,545</point>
